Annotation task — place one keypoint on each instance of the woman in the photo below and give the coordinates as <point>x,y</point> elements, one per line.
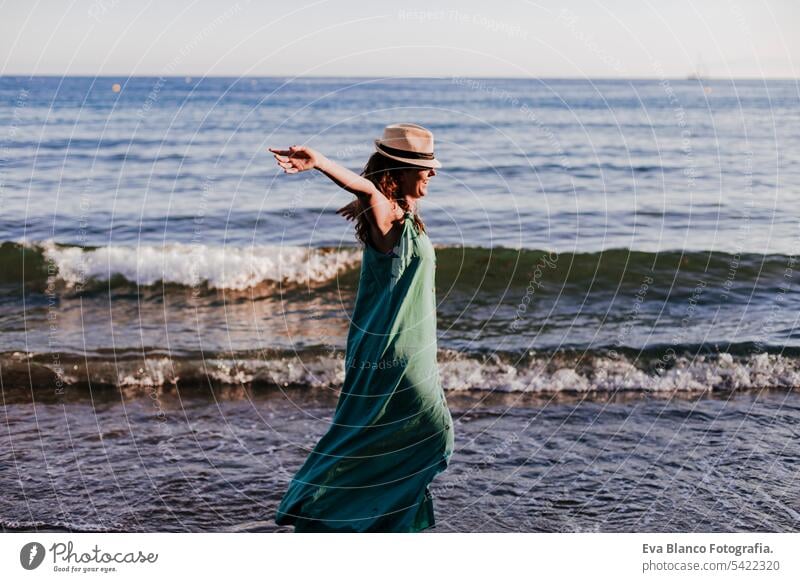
<point>391,431</point>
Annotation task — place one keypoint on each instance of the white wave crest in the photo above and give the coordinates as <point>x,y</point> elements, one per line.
<point>603,374</point>
<point>460,372</point>
<point>222,267</point>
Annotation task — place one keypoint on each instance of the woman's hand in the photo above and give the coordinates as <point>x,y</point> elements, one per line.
<point>296,159</point>
<point>351,211</point>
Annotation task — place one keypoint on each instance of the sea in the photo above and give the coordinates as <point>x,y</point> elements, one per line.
<point>616,280</point>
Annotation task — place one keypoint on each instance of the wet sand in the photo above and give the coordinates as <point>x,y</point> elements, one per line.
<point>221,461</point>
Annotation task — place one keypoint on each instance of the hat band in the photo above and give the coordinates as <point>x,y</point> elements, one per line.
<point>405,153</point>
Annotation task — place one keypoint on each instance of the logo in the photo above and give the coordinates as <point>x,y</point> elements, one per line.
<point>31,555</point>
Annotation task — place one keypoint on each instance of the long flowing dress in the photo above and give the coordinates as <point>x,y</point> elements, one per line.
<point>391,432</point>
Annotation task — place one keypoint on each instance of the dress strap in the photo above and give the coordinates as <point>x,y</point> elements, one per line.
<point>403,250</point>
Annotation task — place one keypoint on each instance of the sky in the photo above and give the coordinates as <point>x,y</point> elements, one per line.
<point>545,38</point>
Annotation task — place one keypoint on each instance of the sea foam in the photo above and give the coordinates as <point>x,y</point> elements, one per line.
<point>223,267</point>
<point>542,373</point>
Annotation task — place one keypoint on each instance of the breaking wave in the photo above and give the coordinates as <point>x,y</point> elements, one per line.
<point>659,370</point>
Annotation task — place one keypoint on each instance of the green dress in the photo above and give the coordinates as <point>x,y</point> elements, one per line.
<point>391,432</point>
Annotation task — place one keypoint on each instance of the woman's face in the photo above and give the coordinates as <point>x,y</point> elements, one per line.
<point>414,182</point>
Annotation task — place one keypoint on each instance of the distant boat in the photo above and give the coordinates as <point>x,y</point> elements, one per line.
<point>700,73</point>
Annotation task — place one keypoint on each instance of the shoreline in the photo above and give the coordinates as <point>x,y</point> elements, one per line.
<point>654,464</point>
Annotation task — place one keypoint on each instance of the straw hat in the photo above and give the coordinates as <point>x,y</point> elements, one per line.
<point>409,143</point>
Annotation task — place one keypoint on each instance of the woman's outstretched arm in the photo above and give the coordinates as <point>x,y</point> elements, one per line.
<point>301,158</point>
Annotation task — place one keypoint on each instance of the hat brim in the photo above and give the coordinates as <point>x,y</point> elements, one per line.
<point>434,163</point>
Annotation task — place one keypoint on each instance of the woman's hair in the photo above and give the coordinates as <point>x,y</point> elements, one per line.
<point>385,174</point>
